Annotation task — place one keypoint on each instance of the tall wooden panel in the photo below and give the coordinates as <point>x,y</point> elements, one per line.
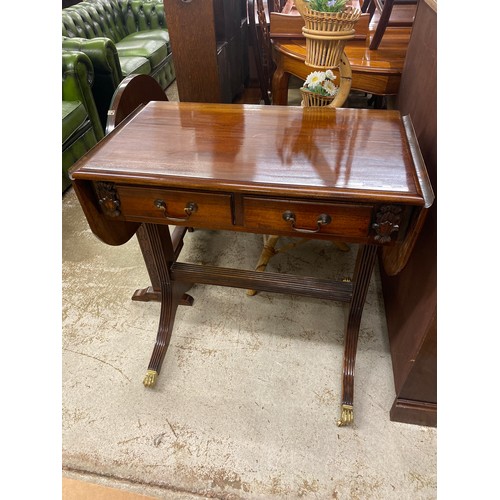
<point>209,47</point>
<point>411,297</point>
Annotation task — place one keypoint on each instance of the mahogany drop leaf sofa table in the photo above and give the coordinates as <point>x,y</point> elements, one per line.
<point>352,175</point>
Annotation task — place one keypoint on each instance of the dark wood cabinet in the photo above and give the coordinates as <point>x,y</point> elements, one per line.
<point>210,48</point>
<point>411,296</point>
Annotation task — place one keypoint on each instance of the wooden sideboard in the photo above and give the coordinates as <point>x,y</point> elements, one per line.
<point>210,48</point>
<point>411,296</point>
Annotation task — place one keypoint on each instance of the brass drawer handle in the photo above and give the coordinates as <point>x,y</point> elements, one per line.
<point>322,220</point>
<point>190,208</point>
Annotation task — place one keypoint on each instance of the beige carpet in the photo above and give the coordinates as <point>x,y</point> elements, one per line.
<point>248,397</point>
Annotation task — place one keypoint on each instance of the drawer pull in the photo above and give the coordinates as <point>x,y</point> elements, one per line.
<point>322,220</point>
<point>190,208</point>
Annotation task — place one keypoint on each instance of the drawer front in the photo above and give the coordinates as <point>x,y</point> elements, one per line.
<point>187,208</point>
<point>297,218</point>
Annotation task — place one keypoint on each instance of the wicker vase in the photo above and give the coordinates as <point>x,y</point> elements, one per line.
<point>310,99</point>
<point>326,34</point>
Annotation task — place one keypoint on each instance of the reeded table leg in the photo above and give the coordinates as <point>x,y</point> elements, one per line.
<point>361,279</point>
<point>152,293</point>
<point>172,293</point>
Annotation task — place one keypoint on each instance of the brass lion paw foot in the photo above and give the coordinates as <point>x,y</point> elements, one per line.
<point>347,416</point>
<point>150,378</point>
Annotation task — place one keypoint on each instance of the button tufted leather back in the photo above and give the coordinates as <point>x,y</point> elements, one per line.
<point>113,19</point>
<point>143,14</point>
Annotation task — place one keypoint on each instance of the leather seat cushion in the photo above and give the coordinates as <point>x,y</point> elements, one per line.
<point>154,50</point>
<point>74,115</point>
<point>74,152</point>
<point>158,34</point>
<point>134,65</point>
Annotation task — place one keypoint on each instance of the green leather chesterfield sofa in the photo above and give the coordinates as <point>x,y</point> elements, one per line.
<point>81,127</point>
<point>121,37</point>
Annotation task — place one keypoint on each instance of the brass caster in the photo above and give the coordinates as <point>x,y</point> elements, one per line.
<point>150,378</point>
<point>347,416</point>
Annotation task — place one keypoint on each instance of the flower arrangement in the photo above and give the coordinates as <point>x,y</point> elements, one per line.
<point>326,5</point>
<point>321,82</point>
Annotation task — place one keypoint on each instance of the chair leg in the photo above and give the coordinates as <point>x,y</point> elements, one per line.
<point>382,24</point>
<point>377,101</point>
<point>256,16</point>
<point>369,6</point>
<point>267,252</point>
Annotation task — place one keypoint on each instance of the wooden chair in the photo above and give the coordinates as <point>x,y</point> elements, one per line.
<point>258,22</point>
<point>385,8</point>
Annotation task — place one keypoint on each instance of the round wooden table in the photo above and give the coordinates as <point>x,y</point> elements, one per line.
<point>373,71</point>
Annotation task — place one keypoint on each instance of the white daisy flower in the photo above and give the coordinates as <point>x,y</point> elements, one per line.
<point>315,78</point>
<point>330,87</point>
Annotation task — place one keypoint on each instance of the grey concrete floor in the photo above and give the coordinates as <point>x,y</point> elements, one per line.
<point>248,397</point>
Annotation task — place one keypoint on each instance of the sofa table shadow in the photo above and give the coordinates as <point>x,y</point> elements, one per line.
<point>351,175</point>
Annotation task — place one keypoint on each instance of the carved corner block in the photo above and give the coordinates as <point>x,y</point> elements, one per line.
<point>108,198</point>
<point>387,222</point>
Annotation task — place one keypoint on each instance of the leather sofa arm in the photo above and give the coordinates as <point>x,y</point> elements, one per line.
<point>101,51</point>
<point>107,70</point>
<point>143,15</point>
<point>77,80</point>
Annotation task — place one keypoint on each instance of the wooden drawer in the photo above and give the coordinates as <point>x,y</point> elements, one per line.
<point>188,208</point>
<point>298,218</point>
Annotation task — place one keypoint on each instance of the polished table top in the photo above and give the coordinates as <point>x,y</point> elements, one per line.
<point>318,152</point>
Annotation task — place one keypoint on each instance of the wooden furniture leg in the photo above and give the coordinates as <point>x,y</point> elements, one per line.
<point>280,82</point>
<point>382,25</point>
<point>365,262</point>
<point>153,292</point>
<point>267,252</point>
<point>385,7</point>
<point>162,255</point>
